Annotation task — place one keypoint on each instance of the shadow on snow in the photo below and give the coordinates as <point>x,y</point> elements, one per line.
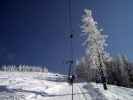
<point>95,93</point>
<point>7,90</point>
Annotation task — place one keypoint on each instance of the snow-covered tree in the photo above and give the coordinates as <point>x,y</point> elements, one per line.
<point>96,41</point>
<point>124,69</point>
<point>24,68</point>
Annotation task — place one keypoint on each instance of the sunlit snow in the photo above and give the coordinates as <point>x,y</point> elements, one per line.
<point>50,86</point>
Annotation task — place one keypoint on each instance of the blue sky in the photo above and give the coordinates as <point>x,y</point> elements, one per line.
<point>36,31</point>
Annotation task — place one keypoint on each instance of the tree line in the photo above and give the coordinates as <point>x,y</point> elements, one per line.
<point>119,71</point>
<point>23,68</point>
<point>115,70</point>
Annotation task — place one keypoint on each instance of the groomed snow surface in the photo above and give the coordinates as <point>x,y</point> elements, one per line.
<point>49,86</point>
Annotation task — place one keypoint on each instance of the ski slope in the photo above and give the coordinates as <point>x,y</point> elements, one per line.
<point>50,86</point>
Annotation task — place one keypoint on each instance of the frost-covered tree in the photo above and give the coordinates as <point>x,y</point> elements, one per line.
<point>96,41</point>
<point>24,68</point>
<point>95,44</point>
<point>124,70</point>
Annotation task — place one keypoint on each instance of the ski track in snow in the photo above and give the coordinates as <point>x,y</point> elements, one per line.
<point>49,86</point>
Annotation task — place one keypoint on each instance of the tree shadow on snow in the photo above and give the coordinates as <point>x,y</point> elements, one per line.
<point>94,92</point>
<point>7,90</point>
<point>69,94</point>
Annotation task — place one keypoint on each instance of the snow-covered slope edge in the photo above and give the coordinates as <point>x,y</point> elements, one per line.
<point>49,86</point>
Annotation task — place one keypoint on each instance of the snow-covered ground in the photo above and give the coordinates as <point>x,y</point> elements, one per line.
<point>49,86</point>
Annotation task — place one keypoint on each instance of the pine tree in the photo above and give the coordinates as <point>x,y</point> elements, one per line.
<point>95,44</point>
<point>96,40</point>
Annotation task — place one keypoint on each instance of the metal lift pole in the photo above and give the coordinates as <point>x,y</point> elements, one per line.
<point>71,62</point>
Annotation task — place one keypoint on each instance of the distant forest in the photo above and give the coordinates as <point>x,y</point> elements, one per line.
<point>119,71</point>
<point>23,68</point>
